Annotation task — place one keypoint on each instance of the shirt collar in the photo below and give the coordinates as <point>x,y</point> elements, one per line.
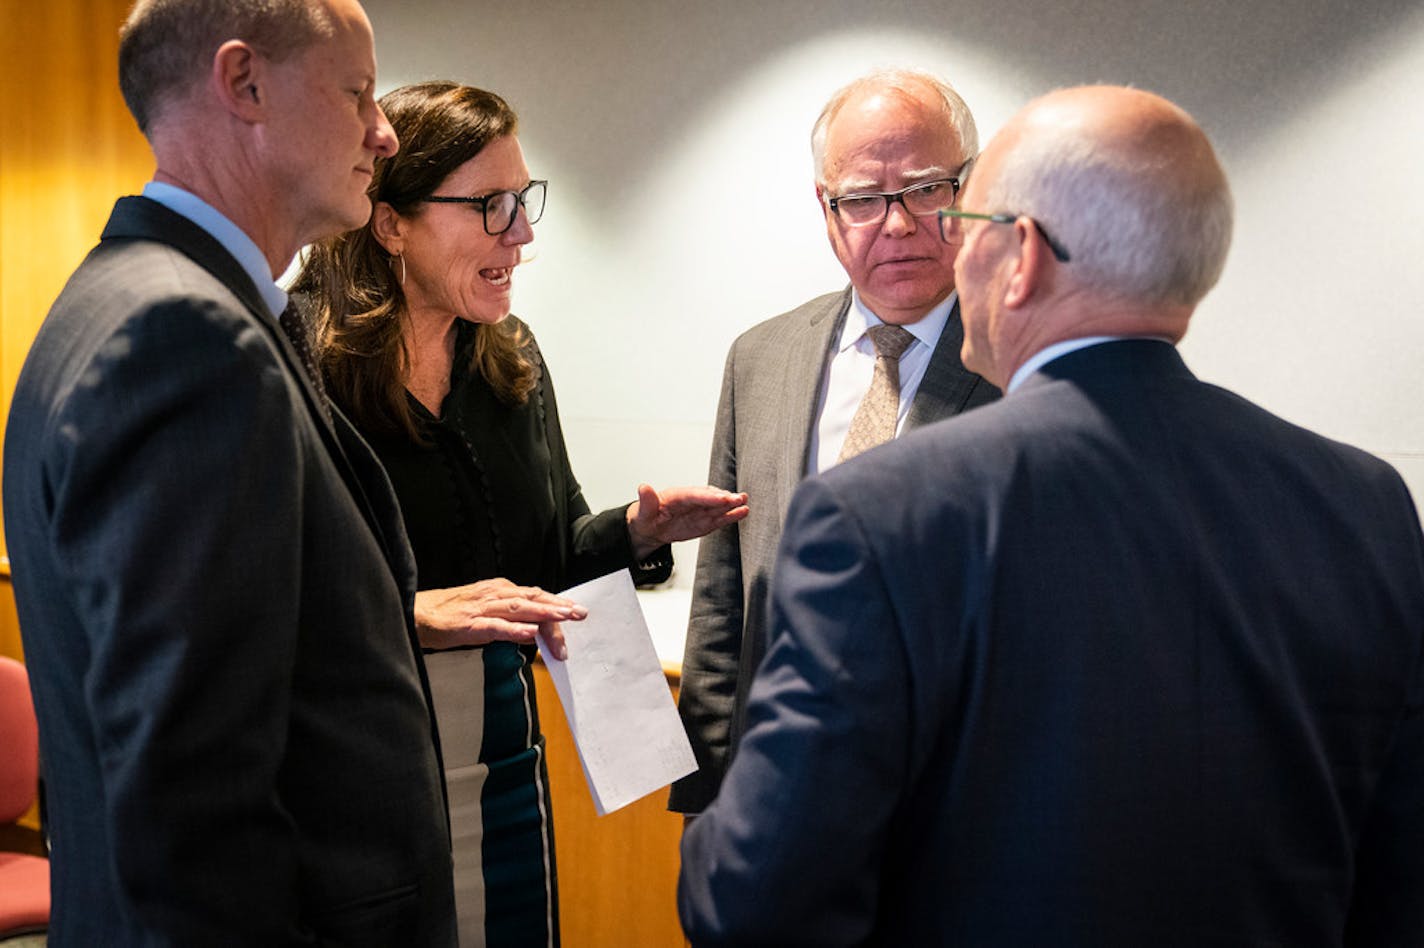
<point>246,252</point>
<point>927,329</point>
<point>1044,356</point>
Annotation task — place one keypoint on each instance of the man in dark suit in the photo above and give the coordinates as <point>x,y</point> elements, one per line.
<point>214,586</point>
<point>890,150</point>
<point>1122,659</point>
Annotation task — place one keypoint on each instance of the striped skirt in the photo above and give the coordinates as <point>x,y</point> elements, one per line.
<point>500,821</point>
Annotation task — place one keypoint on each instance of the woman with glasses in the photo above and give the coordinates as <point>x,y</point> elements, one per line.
<point>417,346</point>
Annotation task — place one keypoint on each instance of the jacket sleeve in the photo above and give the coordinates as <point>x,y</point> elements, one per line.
<point>1385,907</point>
<point>712,654</point>
<point>790,851</point>
<point>174,472</point>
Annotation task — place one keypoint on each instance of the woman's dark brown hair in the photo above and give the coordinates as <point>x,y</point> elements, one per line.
<point>359,306</point>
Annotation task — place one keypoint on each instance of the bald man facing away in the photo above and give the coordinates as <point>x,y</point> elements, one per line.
<point>1122,659</point>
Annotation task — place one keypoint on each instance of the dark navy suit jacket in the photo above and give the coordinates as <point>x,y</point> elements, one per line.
<point>214,591</point>
<point>1120,660</point>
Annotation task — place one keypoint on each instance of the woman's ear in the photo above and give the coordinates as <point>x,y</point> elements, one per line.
<point>388,227</point>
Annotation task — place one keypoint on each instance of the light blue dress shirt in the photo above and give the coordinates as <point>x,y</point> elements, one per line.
<point>234,241</point>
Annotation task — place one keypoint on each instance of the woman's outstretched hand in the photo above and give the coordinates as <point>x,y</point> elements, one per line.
<point>660,517</point>
<point>493,610</point>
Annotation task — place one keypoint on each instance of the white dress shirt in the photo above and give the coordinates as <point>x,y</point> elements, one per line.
<point>851,368</point>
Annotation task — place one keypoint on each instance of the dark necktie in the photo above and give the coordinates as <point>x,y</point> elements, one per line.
<point>300,336</point>
<point>874,421</point>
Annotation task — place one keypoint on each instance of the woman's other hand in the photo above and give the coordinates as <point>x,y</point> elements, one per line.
<point>658,518</point>
<point>493,610</point>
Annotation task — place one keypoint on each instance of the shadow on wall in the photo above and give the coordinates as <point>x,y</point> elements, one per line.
<point>644,72</point>
<point>682,212</point>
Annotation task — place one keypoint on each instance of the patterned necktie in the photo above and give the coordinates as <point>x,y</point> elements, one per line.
<point>874,421</point>
<point>296,329</point>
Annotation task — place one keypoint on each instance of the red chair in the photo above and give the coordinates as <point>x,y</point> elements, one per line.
<point>24,879</point>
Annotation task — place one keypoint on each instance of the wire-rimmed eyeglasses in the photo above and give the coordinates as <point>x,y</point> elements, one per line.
<point>500,207</point>
<point>949,214</point>
<point>871,207</point>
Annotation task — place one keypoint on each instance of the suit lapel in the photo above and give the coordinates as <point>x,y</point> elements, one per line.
<point>144,219</point>
<point>805,367</point>
<point>947,384</point>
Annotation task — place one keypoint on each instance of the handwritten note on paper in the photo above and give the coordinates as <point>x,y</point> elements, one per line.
<point>620,711</point>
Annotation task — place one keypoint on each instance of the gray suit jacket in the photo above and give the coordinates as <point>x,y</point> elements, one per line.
<point>770,390</point>
<point>215,596</point>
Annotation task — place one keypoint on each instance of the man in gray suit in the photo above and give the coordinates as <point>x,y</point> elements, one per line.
<point>214,585</point>
<point>891,149</point>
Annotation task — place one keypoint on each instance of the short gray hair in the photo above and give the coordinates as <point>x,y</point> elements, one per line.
<point>910,82</point>
<point>1138,228</point>
<point>166,46</point>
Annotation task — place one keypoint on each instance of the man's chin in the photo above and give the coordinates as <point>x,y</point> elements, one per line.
<point>359,214</point>
<point>904,300</point>
<point>976,360</point>
<point>350,215</point>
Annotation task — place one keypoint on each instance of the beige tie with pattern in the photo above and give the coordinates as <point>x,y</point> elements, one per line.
<point>874,421</point>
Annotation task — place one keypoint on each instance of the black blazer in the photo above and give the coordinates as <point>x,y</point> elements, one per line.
<point>1120,660</point>
<point>215,598</point>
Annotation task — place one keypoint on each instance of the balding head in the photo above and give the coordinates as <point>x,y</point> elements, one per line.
<point>1124,182</point>
<point>1127,181</point>
<point>166,47</point>
<point>911,85</point>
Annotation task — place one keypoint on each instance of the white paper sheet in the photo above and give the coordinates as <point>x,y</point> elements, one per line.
<point>616,698</point>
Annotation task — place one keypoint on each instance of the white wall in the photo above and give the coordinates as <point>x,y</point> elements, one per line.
<point>681,211</point>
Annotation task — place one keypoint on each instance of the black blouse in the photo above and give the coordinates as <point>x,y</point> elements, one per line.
<point>491,492</point>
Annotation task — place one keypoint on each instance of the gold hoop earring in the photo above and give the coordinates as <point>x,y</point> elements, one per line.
<point>397,258</point>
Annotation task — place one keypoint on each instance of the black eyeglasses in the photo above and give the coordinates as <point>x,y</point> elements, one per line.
<point>500,207</point>
<point>1058,249</point>
<point>919,200</point>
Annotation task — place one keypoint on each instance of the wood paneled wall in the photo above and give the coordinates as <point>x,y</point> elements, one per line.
<point>617,873</point>
<point>9,621</point>
<point>68,149</point>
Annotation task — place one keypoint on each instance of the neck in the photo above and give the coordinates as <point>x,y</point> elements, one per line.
<point>430,350</point>
<point>227,182</point>
<point>430,341</point>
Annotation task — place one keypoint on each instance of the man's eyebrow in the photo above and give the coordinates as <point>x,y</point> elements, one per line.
<point>854,185</point>
<point>861,185</point>
<point>931,173</point>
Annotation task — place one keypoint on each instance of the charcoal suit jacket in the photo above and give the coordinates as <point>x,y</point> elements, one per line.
<point>215,596</point>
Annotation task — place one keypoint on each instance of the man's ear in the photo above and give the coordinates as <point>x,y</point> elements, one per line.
<point>239,80</point>
<point>821,200</point>
<point>388,227</point>
<point>1028,274</point>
